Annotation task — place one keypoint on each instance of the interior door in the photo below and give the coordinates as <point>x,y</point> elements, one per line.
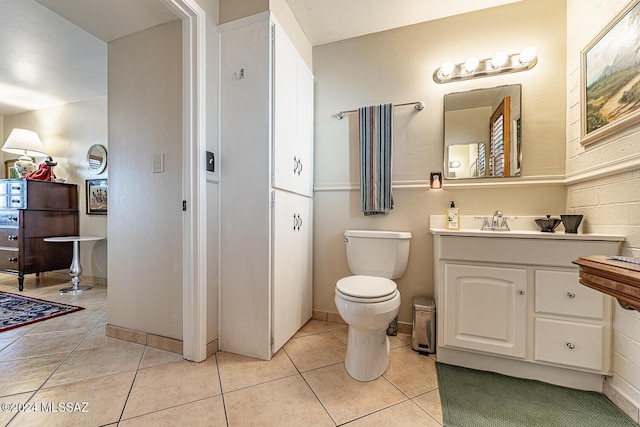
<point>500,139</point>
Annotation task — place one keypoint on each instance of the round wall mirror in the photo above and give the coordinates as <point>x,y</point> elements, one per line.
<point>97,158</point>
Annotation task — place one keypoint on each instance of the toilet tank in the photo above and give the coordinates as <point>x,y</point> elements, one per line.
<point>378,253</point>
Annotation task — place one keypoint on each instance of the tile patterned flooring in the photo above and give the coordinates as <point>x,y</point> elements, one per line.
<point>69,359</point>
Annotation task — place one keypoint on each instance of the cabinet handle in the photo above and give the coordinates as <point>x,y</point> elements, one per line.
<point>299,222</point>
<point>295,222</point>
<point>13,218</point>
<point>571,345</point>
<point>571,295</point>
<point>299,170</point>
<point>12,237</point>
<point>13,259</point>
<point>296,163</point>
<point>521,292</point>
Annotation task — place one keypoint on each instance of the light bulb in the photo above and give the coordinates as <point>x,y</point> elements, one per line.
<point>499,59</point>
<point>528,54</point>
<point>471,64</point>
<point>447,68</point>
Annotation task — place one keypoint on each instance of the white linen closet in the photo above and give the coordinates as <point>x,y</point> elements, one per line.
<point>266,187</point>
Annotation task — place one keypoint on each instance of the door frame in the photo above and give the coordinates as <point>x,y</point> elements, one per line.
<point>194,226</point>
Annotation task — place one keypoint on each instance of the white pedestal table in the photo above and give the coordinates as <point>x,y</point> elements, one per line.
<point>76,269</point>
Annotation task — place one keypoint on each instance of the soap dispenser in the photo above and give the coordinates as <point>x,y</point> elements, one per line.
<point>453,217</point>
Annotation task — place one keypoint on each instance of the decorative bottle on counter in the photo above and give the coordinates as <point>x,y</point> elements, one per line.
<point>453,218</point>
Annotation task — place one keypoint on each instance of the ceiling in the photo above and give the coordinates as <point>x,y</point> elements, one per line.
<point>55,51</point>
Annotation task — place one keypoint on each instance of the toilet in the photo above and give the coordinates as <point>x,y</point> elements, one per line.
<point>369,300</point>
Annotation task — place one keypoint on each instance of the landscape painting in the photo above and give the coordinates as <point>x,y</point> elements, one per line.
<point>611,76</point>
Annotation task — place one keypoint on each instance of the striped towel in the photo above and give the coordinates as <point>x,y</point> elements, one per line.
<point>376,135</point>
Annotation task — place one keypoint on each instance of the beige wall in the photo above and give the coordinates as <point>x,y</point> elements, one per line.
<point>145,217</point>
<point>397,66</point>
<point>604,179</point>
<point>67,131</point>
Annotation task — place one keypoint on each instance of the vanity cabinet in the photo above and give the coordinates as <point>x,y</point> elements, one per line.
<point>266,173</point>
<point>31,210</point>
<point>513,304</point>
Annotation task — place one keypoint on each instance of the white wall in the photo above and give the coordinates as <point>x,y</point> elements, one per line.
<point>397,66</point>
<point>145,216</point>
<point>67,131</point>
<point>605,178</point>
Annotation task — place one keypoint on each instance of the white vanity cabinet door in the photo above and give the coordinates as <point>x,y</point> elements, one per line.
<point>292,271</point>
<point>486,309</point>
<point>572,344</point>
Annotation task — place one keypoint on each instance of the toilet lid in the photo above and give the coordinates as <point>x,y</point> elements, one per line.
<point>366,287</point>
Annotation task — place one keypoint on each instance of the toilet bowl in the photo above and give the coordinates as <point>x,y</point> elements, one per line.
<point>369,300</point>
<point>368,315</point>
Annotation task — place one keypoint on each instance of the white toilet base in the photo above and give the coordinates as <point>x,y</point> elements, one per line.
<point>367,353</point>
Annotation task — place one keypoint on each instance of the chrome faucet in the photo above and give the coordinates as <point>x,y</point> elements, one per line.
<point>498,222</point>
<point>496,216</point>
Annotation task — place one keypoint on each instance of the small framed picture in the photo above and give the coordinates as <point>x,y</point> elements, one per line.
<point>97,191</point>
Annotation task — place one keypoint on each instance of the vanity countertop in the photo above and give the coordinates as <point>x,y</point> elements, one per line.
<point>523,227</point>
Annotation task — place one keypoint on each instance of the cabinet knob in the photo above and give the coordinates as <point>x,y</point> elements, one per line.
<point>571,295</point>
<point>13,218</point>
<point>521,292</point>
<point>12,237</point>
<point>13,259</point>
<point>571,345</point>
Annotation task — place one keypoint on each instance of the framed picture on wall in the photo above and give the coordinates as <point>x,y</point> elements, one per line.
<point>610,77</point>
<point>97,196</point>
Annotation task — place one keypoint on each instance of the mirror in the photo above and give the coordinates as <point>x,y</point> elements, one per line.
<point>482,135</point>
<point>97,158</point>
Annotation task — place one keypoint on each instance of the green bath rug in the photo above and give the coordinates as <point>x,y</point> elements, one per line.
<point>473,398</point>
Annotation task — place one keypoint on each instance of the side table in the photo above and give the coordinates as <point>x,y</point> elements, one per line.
<point>76,269</point>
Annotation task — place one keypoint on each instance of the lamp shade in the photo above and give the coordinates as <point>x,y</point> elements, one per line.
<point>25,143</point>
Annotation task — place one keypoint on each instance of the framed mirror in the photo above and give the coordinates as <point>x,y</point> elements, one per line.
<point>482,133</point>
<point>97,158</point>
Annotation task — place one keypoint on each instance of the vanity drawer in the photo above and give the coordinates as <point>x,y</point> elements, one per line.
<point>9,218</point>
<point>9,259</point>
<point>568,343</point>
<point>9,237</point>
<point>559,292</point>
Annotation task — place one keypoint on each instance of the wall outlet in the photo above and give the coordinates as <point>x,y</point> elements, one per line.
<point>158,163</point>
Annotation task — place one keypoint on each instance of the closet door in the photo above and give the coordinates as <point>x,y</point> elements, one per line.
<point>291,293</point>
<point>304,143</point>
<point>285,112</point>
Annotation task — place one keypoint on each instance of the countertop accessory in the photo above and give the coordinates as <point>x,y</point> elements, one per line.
<point>571,223</point>
<point>548,224</point>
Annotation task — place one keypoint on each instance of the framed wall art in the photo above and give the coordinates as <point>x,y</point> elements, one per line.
<point>97,196</point>
<point>610,77</point>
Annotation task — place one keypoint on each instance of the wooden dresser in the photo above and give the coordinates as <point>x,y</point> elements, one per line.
<point>30,211</point>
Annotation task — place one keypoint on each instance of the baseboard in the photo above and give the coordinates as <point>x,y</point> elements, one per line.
<point>621,401</point>
<point>152,340</point>
<point>328,316</point>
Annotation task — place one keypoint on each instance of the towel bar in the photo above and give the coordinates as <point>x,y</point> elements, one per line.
<point>419,106</point>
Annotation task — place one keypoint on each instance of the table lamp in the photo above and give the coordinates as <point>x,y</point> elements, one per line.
<point>25,143</point>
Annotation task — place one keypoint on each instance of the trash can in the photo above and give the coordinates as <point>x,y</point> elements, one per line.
<point>423,337</point>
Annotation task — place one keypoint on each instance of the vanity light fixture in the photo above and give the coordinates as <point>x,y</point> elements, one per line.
<point>473,67</point>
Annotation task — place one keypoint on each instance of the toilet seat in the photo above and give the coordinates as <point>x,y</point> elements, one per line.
<point>366,289</point>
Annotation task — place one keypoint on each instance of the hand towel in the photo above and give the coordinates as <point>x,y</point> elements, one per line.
<point>376,138</point>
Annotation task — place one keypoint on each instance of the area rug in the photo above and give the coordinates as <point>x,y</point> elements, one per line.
<point>473,398</point>
<point>20,310</point>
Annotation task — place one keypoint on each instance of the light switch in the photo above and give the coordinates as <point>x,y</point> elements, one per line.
<point>158,163</point>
